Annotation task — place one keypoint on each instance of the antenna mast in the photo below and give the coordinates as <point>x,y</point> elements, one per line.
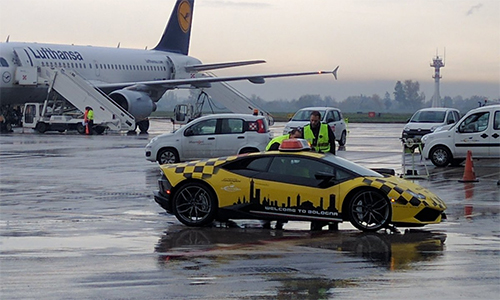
<point>437,64</point>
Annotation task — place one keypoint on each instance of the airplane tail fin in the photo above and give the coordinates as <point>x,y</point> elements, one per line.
<point>176,36</point>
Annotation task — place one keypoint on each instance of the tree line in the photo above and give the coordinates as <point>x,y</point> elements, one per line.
<point>406,98</point>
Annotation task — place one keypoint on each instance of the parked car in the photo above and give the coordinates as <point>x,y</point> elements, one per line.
<point>478,131</point>
<point>293,185</point>
<point>427,120</point>
<point>211,136</point>
<point>330,115</point>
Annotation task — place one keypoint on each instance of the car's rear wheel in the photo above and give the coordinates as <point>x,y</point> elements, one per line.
<point>195,204</point>
<point>168,156</point>
<point>369,210</point>
<point>440,156</point>
<point>343,138</point>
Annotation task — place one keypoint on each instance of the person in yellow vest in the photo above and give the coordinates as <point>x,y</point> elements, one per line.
<point>89,120</point>
<point>275,143</point>
<point>322,139</point>
<point>319,135</point>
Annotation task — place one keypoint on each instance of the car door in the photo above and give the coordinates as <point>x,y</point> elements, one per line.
<point>230,136</point>
<point>473,133</point>
<point>290,189</point>
<point>335,121</point>
<point>199,140</point>
<point>495,135</point>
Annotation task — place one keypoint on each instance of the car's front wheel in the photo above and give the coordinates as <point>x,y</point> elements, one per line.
<point>440,156</point>
<point>343,139</point>
<point>168,156</point>
<point>195,204</point>
<point>369,210</point>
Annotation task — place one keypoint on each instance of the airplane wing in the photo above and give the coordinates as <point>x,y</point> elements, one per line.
<point>204,81</point>
<point>206,67</point>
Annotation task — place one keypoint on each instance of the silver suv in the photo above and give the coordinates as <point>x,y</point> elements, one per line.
<point>329,115</point>
<point>211,136</point>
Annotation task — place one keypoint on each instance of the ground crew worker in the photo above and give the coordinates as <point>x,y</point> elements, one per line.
<point>89,120</point>
<point>275,143</point>
<point>319,135</point>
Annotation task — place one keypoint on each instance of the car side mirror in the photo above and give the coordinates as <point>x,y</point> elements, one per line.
<point>189,132</point>
<point>324,176</point>
<point>451,122</point>
<point>330,120</point>
<point>327,179</point>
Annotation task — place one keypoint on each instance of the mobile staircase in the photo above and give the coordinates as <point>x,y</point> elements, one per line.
<point>80,93</point>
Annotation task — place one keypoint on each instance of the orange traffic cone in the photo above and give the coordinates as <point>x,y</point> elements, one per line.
<point>469,174</point>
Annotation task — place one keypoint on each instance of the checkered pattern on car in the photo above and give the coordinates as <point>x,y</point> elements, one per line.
<point>201,169</point>
<point>402,196</point>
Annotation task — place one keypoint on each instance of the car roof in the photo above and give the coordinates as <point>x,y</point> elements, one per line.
<point>437,109</point>
<point>485,108</point>
<point>318,108</point>
<point>231,115</point>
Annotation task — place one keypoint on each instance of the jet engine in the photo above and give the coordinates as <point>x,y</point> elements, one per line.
<point>138,104</point>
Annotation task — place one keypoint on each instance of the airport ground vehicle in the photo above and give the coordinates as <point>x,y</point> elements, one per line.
<point>330,115</point>
<point>211,136</point>
<point>478,131</point>
<point>55,115</point>
<point>293,185</point>
<point>425,121</point>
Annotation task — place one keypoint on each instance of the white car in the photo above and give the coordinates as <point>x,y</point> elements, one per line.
<point>211,136</point>
<point>427,120</point>
<point>330,115</point>
<point>477,131</point>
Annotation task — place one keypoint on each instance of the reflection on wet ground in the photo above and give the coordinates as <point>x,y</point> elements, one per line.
<point>390,250</point>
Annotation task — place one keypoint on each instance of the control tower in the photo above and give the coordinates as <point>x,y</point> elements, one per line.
<point>437,63</point>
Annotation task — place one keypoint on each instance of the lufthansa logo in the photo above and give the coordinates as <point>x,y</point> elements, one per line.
<point>184,14</point>
<point>6,77</point>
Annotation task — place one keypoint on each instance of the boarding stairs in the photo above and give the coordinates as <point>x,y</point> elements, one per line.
<point>81,93</point>
<point>233,100</point>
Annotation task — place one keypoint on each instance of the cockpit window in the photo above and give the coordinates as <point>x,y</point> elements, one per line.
<point>3,62</point>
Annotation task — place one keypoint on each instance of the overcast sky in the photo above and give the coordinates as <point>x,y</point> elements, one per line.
<point>375,42</point>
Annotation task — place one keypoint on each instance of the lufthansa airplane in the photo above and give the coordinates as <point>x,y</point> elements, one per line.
<point>134,78</point>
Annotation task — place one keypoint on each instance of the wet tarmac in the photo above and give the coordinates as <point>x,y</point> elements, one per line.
<point>78,221</point>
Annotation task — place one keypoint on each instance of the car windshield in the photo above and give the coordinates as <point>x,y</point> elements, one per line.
<point>428,117</point>
<point>360,170</point>
<point>305,114</point>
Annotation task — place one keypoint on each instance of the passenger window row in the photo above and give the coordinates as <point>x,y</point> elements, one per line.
<point>98,66</point>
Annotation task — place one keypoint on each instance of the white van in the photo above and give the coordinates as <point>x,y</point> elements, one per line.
<point>478,131</point>
<point>426,120</point>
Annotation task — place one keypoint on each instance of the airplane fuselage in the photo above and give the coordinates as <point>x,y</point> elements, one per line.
<point>99,65</point>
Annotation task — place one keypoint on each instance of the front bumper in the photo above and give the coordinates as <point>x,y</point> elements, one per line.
<point>162,196</point>
<point>415,134</point>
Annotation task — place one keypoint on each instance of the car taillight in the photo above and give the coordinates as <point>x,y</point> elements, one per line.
<point>261,126</point>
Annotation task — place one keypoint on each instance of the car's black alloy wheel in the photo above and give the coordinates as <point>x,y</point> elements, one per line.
<point>369,210</point>
<point>195,204</point>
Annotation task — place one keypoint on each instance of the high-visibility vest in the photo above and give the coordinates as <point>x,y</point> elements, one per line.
<point>323,143</point>
<point>90,115</point>
<point>278,140</point>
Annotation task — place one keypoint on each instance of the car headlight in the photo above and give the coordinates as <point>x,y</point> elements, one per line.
<point>418,196</point>
<point>424,139</point>
<point>406,129</point>
<point>152,141</point>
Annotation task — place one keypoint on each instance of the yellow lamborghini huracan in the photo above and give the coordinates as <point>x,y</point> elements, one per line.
<point>293,185</point>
